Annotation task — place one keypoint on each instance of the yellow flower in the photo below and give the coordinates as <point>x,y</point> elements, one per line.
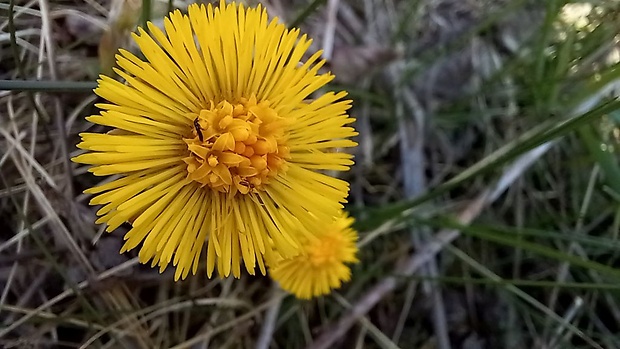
<point>321,268</point>
<point>216,142</point>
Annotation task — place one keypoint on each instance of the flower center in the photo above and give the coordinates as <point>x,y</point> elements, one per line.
<point>325,251</point>
<point>237,147</point>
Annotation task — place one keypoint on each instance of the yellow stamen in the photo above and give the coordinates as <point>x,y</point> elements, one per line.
<point>237,148</point>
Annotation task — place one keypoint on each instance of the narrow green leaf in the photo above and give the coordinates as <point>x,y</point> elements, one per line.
<point>47,85</point>
<point>146,13</point>
<point>513,241</point>
<point>459,280</point>
<point>306,13</point>
<point>547,132</point>
<point>606,160</point>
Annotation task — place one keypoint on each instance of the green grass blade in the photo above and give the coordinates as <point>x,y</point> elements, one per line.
<point>306,13</point>
<point>548,132</point>
<point>513,241</point>
<point>47,85</point>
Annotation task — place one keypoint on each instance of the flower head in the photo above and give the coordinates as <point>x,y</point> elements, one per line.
<point>216,142</point>
<point>322,267</point>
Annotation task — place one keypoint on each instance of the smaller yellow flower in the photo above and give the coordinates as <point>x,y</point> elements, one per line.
<point>321,268</point>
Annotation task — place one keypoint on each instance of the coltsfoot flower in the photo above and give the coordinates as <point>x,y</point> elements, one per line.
<point>323,265</point>
<point>217,143</point>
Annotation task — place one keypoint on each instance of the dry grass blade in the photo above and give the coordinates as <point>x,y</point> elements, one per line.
<point>203,337</point>
<point>125,326</point>
<point>64,237</point>
<point>82,285</point>
<point>266,334</point>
